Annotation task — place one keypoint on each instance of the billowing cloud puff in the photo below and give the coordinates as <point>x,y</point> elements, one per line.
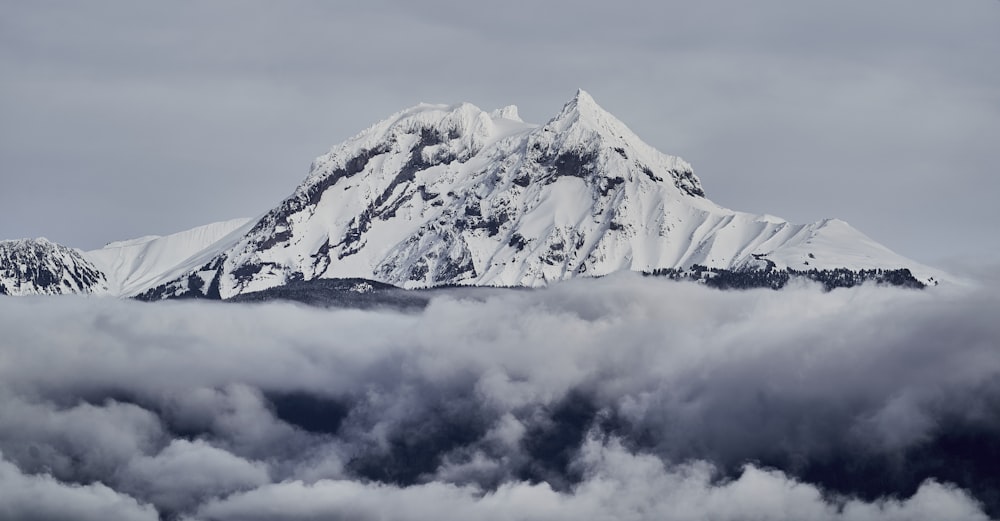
<point>43,498</point>
<point>185,472</point>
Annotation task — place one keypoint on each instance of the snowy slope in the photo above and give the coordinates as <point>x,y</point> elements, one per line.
<point>441,194</point>
<point>136,265</point>
<point>122,268</point>
<point>42,267</point>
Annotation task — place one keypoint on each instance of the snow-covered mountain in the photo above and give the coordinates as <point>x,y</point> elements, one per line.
<point>121,268</point>
<point>42,267</point>
<point>455,195</point>
<point>440,195</point>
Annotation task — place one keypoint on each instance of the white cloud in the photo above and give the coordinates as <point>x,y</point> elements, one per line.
<point>620,486</point>
<point>81,442</point>
<point>43,498</point>
<point>185,473</point>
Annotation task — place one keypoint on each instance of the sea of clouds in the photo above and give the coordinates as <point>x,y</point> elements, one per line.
<point>619,398</point>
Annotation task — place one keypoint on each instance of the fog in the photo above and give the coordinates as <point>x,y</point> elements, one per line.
<point>619,398</point>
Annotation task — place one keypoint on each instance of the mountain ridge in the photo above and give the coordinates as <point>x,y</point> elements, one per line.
<point>454,195</point>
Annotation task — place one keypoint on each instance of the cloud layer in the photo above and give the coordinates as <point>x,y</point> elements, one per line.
<point>618,398</point>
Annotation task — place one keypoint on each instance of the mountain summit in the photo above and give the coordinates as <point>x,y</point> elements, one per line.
<point>441,195</point>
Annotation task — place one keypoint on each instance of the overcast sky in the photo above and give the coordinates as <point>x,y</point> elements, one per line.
<point>122,118</point>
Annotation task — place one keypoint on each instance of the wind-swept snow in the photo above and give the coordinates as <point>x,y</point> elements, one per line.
<point>135,265</point>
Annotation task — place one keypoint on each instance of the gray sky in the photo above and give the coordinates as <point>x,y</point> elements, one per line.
<point>122,118</point>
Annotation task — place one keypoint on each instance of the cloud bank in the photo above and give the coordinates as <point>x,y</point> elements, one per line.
<point>619,398</point>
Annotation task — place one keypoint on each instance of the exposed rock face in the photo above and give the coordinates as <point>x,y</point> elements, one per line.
<point>41,267</point>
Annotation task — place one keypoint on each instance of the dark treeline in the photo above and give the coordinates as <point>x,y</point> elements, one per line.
<point>777,278</point>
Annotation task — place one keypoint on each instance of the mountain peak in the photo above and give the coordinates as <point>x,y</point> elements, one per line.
<point>583,98</point>
<point>582,104</point>
<point>508,112</point>
<point>581,116</point>
<point>40,266</point>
